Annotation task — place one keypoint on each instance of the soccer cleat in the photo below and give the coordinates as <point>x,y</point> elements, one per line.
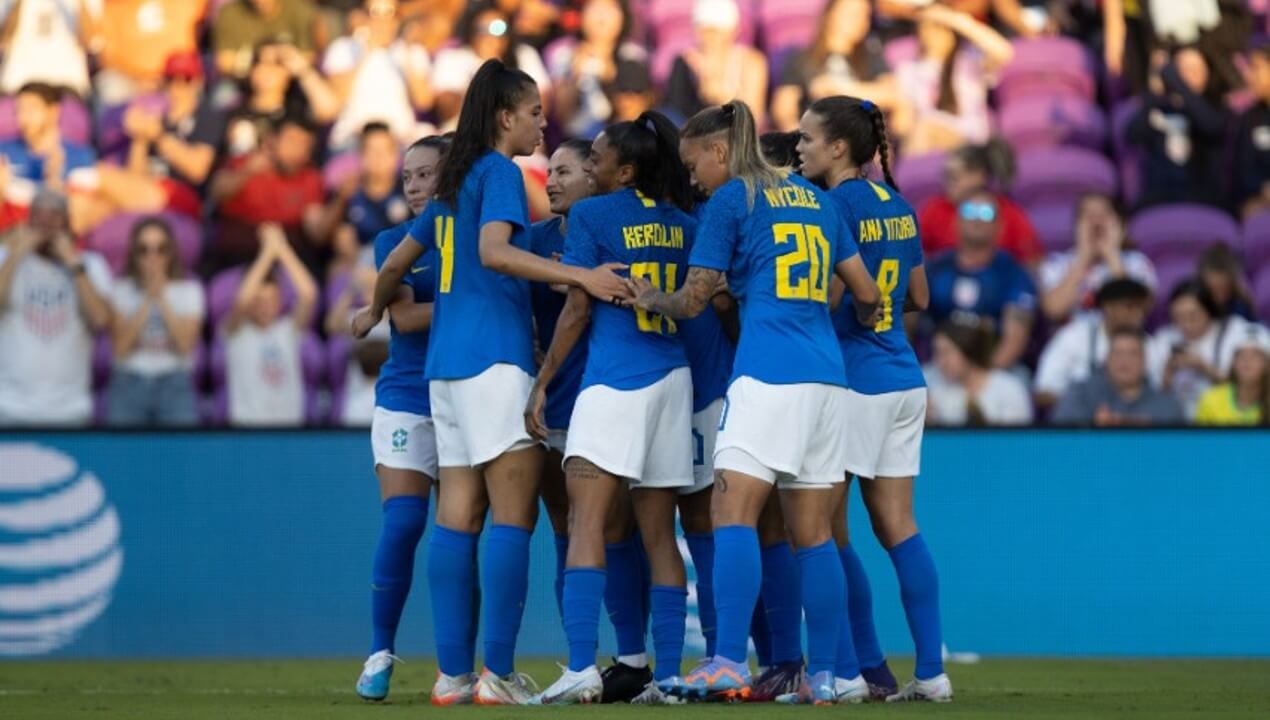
<point>882,682</point>
<point>660,693</point>
<point>515,689</point>
<point>623,682</point>
<point>376,676</point>
<point>850,692</point>
<point>573,688</point>
<point>819,689</point>
<point>780,679</point>
<point>454,690</point>
<point>937,689</point>
<point>719,679</point>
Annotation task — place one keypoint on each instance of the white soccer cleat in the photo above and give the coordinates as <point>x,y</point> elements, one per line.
<point>850,692</point>
<point>515,689</point>
<point>937,689</point>
<point>659,693</point>
<point>454,690</point>
<point>376,676</point>
<point>574,688</point>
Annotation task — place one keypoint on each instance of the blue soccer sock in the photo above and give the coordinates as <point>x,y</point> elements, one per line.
<point>405,518</point>
<point>701,548</point>
<point>784,606</point>
<point>919,590</point>
<point>624,595</point>
<point>761,634</point>
<point>583,592</point>
<point>824,597</point>
<point>669,612</point>
<point>505,577</point>
<point>451,581</point>
<point>738,570</point>
<point>562,553</point>
<point>860,611</point>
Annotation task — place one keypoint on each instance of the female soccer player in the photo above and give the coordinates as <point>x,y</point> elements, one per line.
<point>401,433</point>
<point>633,418</point>
<point>778,242</point>
<point>840,137</point>
<point>480,364</point>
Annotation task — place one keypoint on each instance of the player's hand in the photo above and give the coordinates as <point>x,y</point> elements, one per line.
<point>603,283</point>
<point>534,423</point>
<point>364,321</point>
<point>641,293</point>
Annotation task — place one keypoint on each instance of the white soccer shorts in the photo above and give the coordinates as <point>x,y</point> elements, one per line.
<point>479,418</point>
<point>884,433</point>
<point>705,430</point>
<point>404,441</point>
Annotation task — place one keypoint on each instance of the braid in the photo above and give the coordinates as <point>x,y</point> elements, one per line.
<point>884,151</point>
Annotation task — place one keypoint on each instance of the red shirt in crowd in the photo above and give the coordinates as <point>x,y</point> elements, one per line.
<point>271,197</point>
<point>938,222</point>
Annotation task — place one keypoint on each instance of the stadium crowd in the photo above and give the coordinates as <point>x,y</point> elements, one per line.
<point>190,188</point>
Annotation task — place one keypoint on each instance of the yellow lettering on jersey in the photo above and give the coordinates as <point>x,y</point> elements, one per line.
<point>901,228</point>
<point>646,235</point>
<point>791,196</point>
<point>870,231</point>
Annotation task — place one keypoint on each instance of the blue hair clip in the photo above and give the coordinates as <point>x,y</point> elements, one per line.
<point>867,105</point>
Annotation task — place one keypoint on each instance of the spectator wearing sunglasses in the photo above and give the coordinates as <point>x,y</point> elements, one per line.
<point>979,282</point>
<point>157,321</point>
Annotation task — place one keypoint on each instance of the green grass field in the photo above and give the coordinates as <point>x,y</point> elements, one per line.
<point>286,690</point>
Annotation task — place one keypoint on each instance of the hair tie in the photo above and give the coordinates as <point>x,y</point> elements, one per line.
<point>729,110</point>
<point>868,106</point>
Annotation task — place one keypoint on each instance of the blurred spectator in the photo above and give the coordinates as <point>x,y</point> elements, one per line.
<point>1121,393</point>
<point>241,25</point>
<point>366,203</point>
<point>276,184</point>
<point>631,93</point>
<point>378,76</point>
<point>45,41</point>
<point>970,169</point>
<point>40,157</point>
<point>965,389</point>
<point>845,59</point>
<point>1245,398</point>
<point>138,36</point>
<point>1196,349</point>
<point>487,34</point>
<point>1182,130</point>
<point>584,67</point>
<point>173,146</point>
<point>1070,279</point>
<point>1221,272</point>
<point>52,301</point>
<point>158,319</point>
<point>1009,13</point>
<point>534,20</point>
<point>781,149</point>
<point>368,354</point>
<point>1252,144</point>
<point>1127,42</point>
<point>944,92</point>
<point>1079,348</point>
<point>978,281</point>
<point>262,343</point>
<point>282,83</point>
<point>718,68</point>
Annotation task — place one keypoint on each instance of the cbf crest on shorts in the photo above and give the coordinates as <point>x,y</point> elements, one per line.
<point>399,438</point>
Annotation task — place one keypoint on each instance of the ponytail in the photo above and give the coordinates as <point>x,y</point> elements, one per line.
<point>745,160</point>
<point>861,124</point>
<point>651,144</point>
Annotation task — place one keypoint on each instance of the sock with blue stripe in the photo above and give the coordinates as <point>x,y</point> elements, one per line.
<point>624,595</point>
<point>738,571</point>
<point>860,611</point>
<point>824,597</point>
<point>761,634</point>
<point>583,592</point>
<point>404,521</point>
<point>562,552</point>
<point>701,548</point>
<point>784,606</point>
<point>919,591</point>
<point>451,579</point>
<point>669,612</point>
<point>505,577</point>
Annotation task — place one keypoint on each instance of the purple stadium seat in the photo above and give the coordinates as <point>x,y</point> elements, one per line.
<point>1181,230</point>
<point>1169,271</point>
<point>1128,157</point>
<point>1261,292</point>
<point>111,238</point>
<point>788,24</point>
<point>920,177</point>
<point>102,361</point>
<point>1054,223</point>
<point>1041,121</point>
<point>671,31</point>
<point>112,141</point>
<point>1256,242</point>
<point>1061,175</point>
<point>340,168</point>
<point>1047,66</point>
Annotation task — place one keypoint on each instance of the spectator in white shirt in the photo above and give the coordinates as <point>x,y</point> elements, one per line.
<point>1195,352</point>
<point>47,42</point>
<point>52,301</point>
<point>1070,279</point>
<point>964,388</point>
<point>157,322</point>
<point>379,76</point>
<point>263,365</point>
<point>1078,349</point>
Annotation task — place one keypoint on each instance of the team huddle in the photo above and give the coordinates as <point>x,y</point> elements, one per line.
<point>697,327</point>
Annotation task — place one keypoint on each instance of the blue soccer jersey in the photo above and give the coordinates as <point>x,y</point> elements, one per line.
<point>628,349</point>
<point>879,359</point>
<point>546,240</point>
<point>481,317</point>
<point>779,258</point>
<point>401,386</point>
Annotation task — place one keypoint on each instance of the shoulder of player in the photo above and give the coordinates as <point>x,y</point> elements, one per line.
<point>389,238</point>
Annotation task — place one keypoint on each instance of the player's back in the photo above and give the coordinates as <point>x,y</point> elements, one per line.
<point>401,386</point>
<point>631,349</point>
<point>879,359</point>
<point>546,240</point>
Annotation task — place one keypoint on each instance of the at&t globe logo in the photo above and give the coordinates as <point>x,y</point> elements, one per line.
<point>59,549</point>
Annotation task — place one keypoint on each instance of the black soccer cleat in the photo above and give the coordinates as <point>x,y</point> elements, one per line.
<point>881,681</point>
<point>623,683</point>
<point>780,679</point>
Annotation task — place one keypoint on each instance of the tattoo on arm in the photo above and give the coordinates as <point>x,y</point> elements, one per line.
<point>691,299</point>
